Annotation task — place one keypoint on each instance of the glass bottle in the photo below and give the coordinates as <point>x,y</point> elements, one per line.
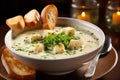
<point>113,15</point>
<point>87,10</point>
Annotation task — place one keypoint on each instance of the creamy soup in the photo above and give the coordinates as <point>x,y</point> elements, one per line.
<point>34,43</point>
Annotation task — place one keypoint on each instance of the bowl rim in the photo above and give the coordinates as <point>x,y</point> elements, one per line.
<point>88,23</point>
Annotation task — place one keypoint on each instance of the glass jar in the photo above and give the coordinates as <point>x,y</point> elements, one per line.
<point>113,15</point>
<point>87,10</point>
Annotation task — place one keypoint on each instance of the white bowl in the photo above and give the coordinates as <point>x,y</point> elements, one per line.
<point>62,65</point>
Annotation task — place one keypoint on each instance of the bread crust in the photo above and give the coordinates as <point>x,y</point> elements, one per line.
<point>32,18</point>
<point>16,23</point>
<point>15,68</point>
<point>49,16</point>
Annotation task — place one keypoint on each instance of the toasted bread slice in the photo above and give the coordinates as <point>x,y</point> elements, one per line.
<point>16,23</point>
<point>15,68</point>
<point>49,16</point>
<point>32,18</point>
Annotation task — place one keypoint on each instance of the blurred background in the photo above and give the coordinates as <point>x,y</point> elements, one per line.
<point>10,8</point>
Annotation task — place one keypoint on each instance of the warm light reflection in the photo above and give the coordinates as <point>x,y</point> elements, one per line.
<point>84,16</point>
<point>116,18</point>
<point>118,13</point>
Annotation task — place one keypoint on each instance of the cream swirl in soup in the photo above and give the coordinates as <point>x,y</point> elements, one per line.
<point>62,42</point>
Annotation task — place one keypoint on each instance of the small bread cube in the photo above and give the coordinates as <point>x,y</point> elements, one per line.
<point>58,49</point>
<point>46,32</point>
<point>36,37</point>
<point>39,48</point>
<point>69,31</point>
<point>75,44</point>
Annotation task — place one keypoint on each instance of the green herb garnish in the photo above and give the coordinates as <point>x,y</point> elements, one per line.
<point>52,39</point>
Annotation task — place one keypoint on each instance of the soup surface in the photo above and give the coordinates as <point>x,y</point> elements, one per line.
<point>26,42</point>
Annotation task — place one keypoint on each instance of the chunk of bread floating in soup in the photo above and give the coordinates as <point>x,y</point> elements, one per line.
<point>32,18</point>
<point>75,44</point>
<point>69,31</point>
<point>47,32</point>
<point>16,23</point>
<point>49,16</point>
<point>59,48</point>
<point>39,48</point>
<point>35,37</point>
<point>15,68</point>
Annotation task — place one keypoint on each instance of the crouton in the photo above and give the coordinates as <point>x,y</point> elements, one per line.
<point>75,44</point>
<point>36,37</point>
<point>69,31</point>
<point>39,48</point>
<point>46,32</point>
<point>59,49</point>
